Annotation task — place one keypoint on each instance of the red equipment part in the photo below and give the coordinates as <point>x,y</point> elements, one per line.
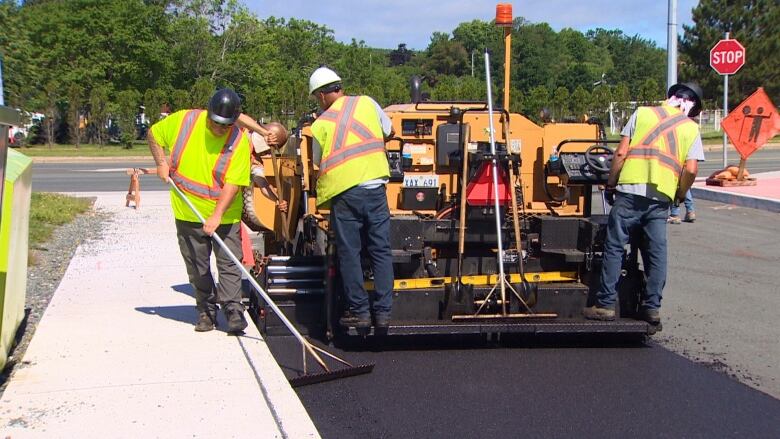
<point>479,191</point>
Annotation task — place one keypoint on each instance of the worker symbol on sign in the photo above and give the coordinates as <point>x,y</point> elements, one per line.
<point>752,123</point>
<point>757,120</point>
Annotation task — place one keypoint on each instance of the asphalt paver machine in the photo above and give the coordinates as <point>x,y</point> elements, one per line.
<point>474,192</point>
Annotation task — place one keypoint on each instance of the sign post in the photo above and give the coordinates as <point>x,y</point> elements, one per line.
<point>727,56</point>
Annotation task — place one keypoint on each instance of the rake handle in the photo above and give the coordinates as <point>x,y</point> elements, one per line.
<point>246,273</point>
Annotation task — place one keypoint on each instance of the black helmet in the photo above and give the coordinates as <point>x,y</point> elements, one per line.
<point>688,89</point>
<point>224,106</point>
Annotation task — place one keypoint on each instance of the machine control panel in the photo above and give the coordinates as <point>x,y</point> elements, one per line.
<point>579,171</point>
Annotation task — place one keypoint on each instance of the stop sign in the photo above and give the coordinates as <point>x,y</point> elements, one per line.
<point>727,56</point>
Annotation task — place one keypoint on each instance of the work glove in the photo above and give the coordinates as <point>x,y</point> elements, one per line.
<point>609,195</point>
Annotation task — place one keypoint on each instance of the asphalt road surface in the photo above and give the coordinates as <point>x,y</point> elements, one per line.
<point>609,391</point>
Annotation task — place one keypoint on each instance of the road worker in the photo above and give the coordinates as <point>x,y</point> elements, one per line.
<point>349,149</point>
<point>653,167</point>
<point>208,159</point>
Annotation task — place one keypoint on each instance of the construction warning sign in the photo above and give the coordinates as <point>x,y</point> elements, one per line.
<point>752,123</point>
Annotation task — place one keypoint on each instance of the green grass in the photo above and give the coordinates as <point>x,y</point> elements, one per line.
<point>48,210</point>
<point>138,149</point>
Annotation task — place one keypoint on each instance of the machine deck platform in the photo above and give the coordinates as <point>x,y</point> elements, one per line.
<point>559,326</point>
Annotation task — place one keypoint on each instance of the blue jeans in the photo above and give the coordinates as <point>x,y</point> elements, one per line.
<point>688,205</point>
<point>360,217</point>
<point>630,213</point>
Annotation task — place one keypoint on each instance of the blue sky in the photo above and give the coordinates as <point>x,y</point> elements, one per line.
<point>386,23</point>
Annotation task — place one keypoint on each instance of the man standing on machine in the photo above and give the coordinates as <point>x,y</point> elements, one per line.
<point>654,165</point>
<point>208,161</point>
<point>349,148</point>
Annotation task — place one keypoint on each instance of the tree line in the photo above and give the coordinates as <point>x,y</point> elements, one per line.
<point>103,58</point>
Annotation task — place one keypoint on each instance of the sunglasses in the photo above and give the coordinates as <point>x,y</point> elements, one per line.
<point>223,125</point>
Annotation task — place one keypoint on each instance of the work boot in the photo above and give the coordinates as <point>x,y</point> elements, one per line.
<point>653,317</point>
<point>349,319</point>
<point>673,219</point>
<point>598,313</point>
<point>236,321</point>
<point>690,216</point>
<point>205,322</point>
<point>382,320</point>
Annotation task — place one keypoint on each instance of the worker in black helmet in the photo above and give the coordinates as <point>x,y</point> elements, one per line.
<point>206,153</point>
<point>652,169</point>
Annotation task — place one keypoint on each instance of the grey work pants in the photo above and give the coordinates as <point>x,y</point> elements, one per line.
<point>196,249</point>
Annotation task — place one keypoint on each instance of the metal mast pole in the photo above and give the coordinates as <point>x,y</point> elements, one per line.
<point>671,45</point>
<point>496,205</point>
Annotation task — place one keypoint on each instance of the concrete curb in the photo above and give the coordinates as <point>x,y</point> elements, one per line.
<point>736,199</point>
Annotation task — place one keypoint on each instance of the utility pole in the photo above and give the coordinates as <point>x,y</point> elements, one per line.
<point>2,100</point>
<point>671,45</point>
<point>725,113</point>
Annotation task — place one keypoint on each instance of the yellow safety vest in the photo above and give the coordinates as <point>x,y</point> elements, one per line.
<point>353,146</point>
<point>203,185</point>
<point>658,149</point>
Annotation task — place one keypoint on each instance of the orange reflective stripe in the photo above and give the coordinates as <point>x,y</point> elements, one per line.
<point>220,168</point>
<point>650,153</point>
<point>195,188</point>
<point>350,152</point>
<point>662,126</point>
<point>671,142</point>
<point>214,190</point>
<point>328,115</point>
<point>344,122</point>
<point>347,124</point>
<point>660,112</point>
<point>185,131</point>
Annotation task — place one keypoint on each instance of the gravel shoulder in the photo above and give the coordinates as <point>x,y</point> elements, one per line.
<point>51,261</point>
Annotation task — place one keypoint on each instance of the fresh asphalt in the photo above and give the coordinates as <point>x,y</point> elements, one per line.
<point>531,390</point>
<point>542,388</point>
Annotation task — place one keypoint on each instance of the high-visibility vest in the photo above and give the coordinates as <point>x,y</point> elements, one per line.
<point>658,149</point>
<point>184,174</point>
<point>353,146</point>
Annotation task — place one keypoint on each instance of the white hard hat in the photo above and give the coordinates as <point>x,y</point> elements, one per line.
<point>321,77</point>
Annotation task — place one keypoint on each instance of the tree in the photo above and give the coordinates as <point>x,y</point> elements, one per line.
<point>75,113</point>
<point>126,110</point>
<point>621,98</point>
<point>580,101</point>
<point>400,56</point>
<point>201,92</point>
<point>99,112</point>
<point>560,103</point>
<point>538,99</point>
<point>650,92</point>
<point>634,59</point>
<point>19,75</point>
<point>446,56</point>
<point>599,102</point>
<point>756,24</point>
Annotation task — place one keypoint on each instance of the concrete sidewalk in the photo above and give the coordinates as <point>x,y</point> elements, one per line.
<point>115,354</point>
<point>765,195</point>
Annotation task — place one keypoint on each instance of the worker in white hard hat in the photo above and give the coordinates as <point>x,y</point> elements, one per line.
<point>349,148</point>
